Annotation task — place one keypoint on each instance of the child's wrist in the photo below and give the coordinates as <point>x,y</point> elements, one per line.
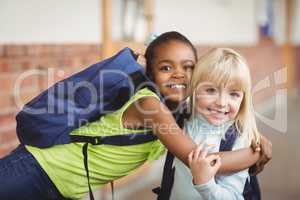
<point>206,187</point>
<point>201,181</point>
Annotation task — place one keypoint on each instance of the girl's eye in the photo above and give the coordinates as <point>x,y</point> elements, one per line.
<point>235,94</point>
<point>189,67</point>
<point>211,90</point>
<point>165,68</point>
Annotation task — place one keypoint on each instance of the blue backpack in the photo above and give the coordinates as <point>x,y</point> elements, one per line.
<point>84,97</point>
<point>102,88</point>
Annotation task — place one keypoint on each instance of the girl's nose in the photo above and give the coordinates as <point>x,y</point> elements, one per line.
<point>179,73</point>
<point>221,100</point>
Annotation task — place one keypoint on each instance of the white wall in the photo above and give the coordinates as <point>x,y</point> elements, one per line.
<point>214,21</point>
<point>295,37</point>
<point>50,21</point>
<point>67,21</point>
<point>279,21</point>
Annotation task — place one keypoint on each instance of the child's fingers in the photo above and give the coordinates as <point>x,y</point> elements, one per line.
<point>202,154</point>
<point>257,149</point>
<point>255,146</point>
<point>202,144</point>
<point>212,158</point>
<point>141,60</point>
<point>217,164</point>
<point>209,146</point>
<point>197,152</point>
<point>190,157</point>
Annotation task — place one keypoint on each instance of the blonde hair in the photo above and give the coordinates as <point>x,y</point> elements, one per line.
<point>221,66</point>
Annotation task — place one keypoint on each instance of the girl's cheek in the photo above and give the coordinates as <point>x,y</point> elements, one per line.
<point>234,110</point>
<point>234,113</point>
<point>204,100</point>
<point>201,105</point>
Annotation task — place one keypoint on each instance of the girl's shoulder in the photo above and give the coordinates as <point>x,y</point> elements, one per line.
<point>146,92</point>
<point>139,108</point>
<point>145,97</point>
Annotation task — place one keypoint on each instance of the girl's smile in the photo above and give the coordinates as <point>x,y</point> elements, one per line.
<point>218,104</point>
<point>176,85</point>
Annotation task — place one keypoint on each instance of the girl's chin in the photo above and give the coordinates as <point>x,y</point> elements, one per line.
<point>176,98</point>
<point>217,122</point>
<point>174,101</point>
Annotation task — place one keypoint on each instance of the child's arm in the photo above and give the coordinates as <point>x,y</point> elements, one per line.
<point>247,157</point>
<point>156,115</point>
<point>234,161</point>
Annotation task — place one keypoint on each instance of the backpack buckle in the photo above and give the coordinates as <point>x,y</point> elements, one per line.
<point>97,141</point>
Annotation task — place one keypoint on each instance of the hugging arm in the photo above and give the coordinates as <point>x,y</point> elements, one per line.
<point>237,160</point>
<point>234,161</point>
<point>159,118</point>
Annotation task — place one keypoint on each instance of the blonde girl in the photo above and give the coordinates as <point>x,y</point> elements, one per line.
<point>221,98</point>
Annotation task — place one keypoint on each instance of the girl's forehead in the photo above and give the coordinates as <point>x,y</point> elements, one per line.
<point>231,84</point>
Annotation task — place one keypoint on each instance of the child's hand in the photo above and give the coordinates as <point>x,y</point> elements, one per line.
<point>203,167</point>
<point>255,146</point>
<point>265,157</point>
<point>140,58</point>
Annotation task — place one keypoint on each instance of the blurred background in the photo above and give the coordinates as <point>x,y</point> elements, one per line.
<point>42,42</point>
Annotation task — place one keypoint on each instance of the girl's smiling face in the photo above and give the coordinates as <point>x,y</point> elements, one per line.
<point>172,69</point>
<point>218,104</point>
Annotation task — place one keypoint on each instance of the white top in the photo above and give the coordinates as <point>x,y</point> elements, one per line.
<point>221,187</point>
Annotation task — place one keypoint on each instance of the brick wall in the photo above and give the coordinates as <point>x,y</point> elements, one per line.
<point>17,63</point>
<point>15,60</point>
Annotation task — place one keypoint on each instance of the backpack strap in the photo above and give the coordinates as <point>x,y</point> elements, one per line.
<point>85,162</point>
<point>112,190</point>
<point>116,140</point>
<point>164,191</point>
<point>251,189</point>
<point>230,137</point>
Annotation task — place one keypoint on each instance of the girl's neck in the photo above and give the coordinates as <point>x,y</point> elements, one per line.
<point>175,107</point>
<point>198,126</point>
<point>207,124</point>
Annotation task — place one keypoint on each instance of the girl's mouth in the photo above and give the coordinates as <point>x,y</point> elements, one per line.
<point>216,111</point>
<point>176,85</point>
